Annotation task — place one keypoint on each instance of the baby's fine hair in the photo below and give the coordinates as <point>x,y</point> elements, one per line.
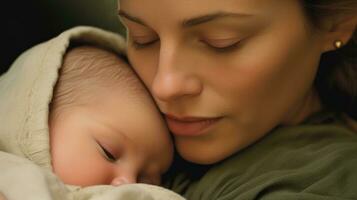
<point>87,70</point>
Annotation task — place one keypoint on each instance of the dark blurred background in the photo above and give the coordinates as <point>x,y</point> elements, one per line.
<point>25,23</point>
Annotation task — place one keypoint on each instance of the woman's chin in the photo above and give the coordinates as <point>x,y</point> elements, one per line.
<point>203,155</point>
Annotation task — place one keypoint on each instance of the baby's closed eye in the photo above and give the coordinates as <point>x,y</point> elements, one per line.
<point>107,153</point>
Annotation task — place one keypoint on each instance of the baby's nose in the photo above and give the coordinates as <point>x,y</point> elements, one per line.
<point>123,179</point>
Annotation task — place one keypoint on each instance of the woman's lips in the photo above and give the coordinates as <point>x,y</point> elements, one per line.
<point>189,126</point>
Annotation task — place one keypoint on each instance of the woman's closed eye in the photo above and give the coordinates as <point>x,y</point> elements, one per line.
<point>222,44</point>
<point>216,44</point>
<point>143,41</point>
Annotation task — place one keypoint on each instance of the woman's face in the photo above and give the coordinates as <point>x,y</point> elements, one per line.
<point>224,74</point>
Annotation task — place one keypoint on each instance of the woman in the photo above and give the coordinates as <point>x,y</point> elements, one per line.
<point>264,90</point>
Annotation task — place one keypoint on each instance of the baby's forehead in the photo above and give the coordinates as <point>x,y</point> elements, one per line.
<point>87,71</point>
<point>102,67</point>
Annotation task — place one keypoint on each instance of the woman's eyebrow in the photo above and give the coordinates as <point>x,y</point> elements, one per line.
<point>211,17</point>
<point>192,21</point>
<point>131,18</point>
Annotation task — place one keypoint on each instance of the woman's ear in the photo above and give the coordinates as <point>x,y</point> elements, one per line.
<point>338,29</point>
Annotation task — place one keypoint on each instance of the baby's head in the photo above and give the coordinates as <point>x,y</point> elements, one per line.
<point>104,126</point>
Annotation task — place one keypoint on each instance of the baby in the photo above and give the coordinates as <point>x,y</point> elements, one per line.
<point>76,122</point>
<point>104,127</point>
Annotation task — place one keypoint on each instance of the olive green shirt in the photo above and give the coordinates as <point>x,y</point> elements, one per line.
<point>315,160</point>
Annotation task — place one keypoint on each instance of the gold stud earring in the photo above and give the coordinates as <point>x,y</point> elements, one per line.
<point>338,44</point>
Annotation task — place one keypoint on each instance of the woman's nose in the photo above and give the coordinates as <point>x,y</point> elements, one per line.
<point>169,86</point>
<point>175,77</point>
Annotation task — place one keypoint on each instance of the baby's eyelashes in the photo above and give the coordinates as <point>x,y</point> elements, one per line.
<point>107,154</point>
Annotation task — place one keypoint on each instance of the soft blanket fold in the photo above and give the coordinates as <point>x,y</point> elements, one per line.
<point>25,93</point>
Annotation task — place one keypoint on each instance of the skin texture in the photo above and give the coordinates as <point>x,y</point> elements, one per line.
<point>2,197</point>
<point>128,127</point>
<point>254,70</point>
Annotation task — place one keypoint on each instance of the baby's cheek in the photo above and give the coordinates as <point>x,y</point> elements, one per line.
<point>96,172</point>
<point>82,169</point>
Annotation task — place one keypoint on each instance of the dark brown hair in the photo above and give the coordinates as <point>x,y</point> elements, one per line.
<point>336,79</point>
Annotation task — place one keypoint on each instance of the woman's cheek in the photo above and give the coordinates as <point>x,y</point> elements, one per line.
<point>144,63</point>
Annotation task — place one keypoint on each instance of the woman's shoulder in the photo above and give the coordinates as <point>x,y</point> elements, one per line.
<point>314,160</point>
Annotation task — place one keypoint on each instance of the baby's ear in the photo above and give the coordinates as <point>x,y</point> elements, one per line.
<point>339,28</point>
